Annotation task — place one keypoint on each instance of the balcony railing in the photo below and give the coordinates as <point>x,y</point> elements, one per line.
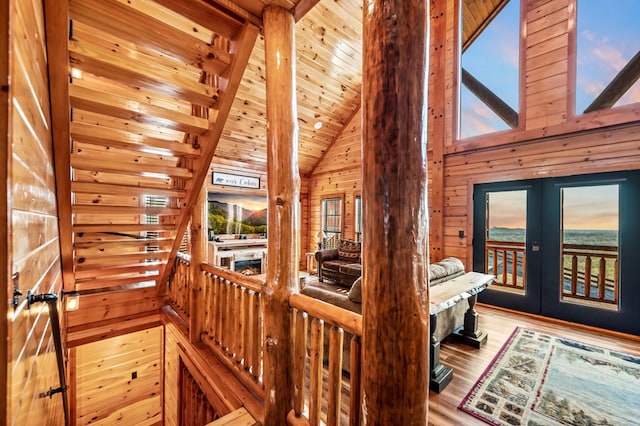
<point>507,261</point>
<point>179,286</point>
<point>590,273</point>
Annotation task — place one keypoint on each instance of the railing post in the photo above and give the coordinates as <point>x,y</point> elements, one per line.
<point>198,256</point>
<point>395,386</point>
<point>284,197</point>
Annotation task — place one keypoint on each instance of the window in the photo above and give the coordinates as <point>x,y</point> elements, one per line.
<point>607,54</point>
<point>358,217</point>
<point>489,69</point>
<point>332,220</point>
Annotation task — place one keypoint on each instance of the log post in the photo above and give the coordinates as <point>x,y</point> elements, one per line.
<point>198,256</point>
<point>395,377</point>
<point>283,224</point>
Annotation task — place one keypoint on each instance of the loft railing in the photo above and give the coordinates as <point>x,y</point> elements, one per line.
<point>179,285</point>
<point>232,321</point>
<point>590,272</point>
<point>232,324</point>
<point>507,261</point>
<point>312,319</point>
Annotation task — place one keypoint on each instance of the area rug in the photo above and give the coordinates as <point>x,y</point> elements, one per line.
<point>540,379</point>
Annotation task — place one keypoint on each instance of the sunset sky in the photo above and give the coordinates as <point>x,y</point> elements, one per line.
<point>251,202</point>
<point>585,208</point>
<point>604,48</point>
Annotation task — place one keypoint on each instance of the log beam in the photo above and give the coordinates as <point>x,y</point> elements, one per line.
<point>284,194</point>
<point>395,216</point>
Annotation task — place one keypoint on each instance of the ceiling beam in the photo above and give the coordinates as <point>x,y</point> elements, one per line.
<point>57,31</point>
<point>622,82</point>
<point>490,99</point>
<point>302,7</point>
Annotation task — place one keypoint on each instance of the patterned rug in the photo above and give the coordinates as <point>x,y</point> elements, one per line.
<point>540,379</point>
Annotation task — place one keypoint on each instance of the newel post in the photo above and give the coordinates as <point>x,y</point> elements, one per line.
<point>395,377</point>
<point>198,256</point>
<point>284,193</point>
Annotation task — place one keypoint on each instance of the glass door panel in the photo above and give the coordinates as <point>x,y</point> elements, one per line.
<point>589,245</point>
<point>505,243</point>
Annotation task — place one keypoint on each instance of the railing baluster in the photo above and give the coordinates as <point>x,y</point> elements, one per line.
<point>574,275</point>
<point>336,341</point>
<point>601,277</point>
<point>299,362</point>
<point>514,268</point>
<point>587,276</point>
<point>315,386</point>
<point>354,381</point>
<point>504,266</point>
<point>256,368</point>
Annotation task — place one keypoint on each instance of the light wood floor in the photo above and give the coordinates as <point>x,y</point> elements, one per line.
<point>469,363</point>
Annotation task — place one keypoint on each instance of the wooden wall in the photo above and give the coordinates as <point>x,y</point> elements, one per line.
<point>119,380</point>
<point>552,140</point>
<point>338,174</point>
<point>29,215</point>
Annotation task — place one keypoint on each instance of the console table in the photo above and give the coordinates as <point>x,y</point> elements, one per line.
<point>443,296</point>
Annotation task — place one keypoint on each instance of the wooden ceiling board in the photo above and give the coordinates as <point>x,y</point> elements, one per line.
<point>329,77</point>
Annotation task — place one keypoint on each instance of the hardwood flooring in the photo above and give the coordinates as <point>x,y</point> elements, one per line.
<point>469,363</point>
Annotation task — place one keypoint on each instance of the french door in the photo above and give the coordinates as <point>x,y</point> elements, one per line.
<point>567,248</point>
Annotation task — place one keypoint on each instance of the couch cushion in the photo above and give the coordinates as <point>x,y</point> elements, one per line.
<point>352,269</point>
<point>355,293</point>
<point>445,268</point>
<point>334,265</point>
<point>349,250</point>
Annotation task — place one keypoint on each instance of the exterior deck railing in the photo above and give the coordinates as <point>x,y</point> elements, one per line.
<point>590,272</point>
<point>507,261</point>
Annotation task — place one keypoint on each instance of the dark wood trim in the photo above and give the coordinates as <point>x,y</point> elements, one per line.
<point>620,84</point>
<point>490,99</point>
<point>57,30</point>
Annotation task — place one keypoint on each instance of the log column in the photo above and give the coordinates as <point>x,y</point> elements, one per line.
<point>283,225</point>
<point>198,256</point>
<point>395,364</point>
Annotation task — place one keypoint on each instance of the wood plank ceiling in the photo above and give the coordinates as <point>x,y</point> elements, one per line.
<point>166,87</point>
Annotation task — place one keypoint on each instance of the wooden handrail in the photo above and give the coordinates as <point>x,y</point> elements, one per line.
<point>347,320</point>
<point>245,281</point>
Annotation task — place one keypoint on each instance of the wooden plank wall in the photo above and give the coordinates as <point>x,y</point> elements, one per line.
<point>119,380</point>
<point>338,174</point>
<point>33,235</point>
<point>552,142</point>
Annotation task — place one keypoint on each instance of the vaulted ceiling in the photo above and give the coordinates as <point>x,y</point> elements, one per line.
<point>157,90</point>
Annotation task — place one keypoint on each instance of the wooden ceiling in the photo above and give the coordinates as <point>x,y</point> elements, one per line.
<point>167,87</point>
<point>329,77</point>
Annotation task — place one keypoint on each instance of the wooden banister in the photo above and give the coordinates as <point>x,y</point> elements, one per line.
<point>347,320</point>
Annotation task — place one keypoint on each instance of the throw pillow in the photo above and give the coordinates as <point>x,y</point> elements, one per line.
<point>349,251</point>
<point>355,293</point>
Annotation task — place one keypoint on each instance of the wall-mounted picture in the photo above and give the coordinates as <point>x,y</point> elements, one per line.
<point>237,214</point>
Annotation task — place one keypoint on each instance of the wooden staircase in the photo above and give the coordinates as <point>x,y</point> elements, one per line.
<point>151,85</point>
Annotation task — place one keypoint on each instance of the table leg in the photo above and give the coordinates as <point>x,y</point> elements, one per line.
<point>440,375</point>
<point>469,332</point>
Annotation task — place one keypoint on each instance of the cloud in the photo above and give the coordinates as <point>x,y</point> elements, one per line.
<point>610,56</point>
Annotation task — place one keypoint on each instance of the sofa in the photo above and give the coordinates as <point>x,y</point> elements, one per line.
<point>350,298</point>
<point>342,264</point>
